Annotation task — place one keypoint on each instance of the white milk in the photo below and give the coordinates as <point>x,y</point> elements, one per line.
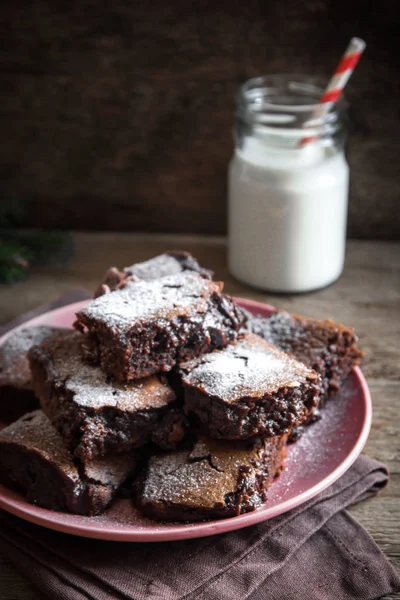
<point>287,215</point>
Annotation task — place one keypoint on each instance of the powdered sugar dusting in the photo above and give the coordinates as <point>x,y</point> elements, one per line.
<point>91,387</point>
<point>159,266</point>
<point>202,477</point>
<point>181,294</point>
<point>14,365</point>
<point>194,485</point>
<point>175,478</point>
<point>244,369</point>
<point>316,456</point>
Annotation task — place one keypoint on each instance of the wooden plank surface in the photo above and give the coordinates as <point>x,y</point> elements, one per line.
<point>367,296</point>
<point>119,115</point>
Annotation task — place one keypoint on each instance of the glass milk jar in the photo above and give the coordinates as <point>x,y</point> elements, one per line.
<point>288,186</point>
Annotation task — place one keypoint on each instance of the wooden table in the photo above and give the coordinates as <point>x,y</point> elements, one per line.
<point>367,296</point>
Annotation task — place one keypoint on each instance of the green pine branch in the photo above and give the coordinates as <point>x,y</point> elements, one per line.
<point>15,261</point>
<point>20,250</point>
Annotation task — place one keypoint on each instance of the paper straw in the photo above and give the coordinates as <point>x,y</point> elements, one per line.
<point>337,82</point>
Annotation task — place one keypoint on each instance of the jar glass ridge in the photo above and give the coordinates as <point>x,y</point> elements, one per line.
<point>283,107</point>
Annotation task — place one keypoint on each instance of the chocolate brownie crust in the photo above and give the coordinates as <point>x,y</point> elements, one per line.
<point>169,263</point>
<point>35,461</point>
<point>94,414</point>
<point>213,480</point>
<point>148,326</point>
<point>173,430</point>
<point>16,389</point>
<point>15,402</point>
<point>249,388</point>
<point>327,347</point>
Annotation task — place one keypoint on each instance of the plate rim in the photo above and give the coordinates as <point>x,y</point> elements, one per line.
<point>49,519</point>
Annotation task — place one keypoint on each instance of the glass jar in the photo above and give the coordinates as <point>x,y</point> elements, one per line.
<point>287,196</point>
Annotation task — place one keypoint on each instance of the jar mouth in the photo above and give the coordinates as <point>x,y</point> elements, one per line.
<point>285,100</point>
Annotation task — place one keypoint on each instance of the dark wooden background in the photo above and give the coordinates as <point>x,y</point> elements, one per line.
<point>118,114</point>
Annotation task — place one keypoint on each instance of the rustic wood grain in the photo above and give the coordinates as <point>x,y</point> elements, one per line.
<point>367,296</point>
<point>119,115</point>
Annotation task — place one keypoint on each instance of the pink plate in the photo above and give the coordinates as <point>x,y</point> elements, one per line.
<point>322,455</point>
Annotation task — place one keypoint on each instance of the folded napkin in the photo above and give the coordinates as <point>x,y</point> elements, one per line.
<point>315,551</point>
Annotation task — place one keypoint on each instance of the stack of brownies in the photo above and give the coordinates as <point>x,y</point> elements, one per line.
<point>166,388</point>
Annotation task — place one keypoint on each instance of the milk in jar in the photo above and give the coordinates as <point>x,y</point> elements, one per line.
<point>287,199</point>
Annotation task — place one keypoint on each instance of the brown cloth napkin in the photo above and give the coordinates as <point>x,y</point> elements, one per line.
<point>315,551</point>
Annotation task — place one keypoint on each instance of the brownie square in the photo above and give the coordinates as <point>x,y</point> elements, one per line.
<point>327,347</point>
<point>213,480</point>
<point>169,263</point>
<point>94,414</point>
<point>249,388</point>
<point>148,326</point>
<point>35,461</point>
<point>16,389</point>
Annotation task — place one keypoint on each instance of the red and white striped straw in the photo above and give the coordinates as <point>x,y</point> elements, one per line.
<point>338,81</point>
